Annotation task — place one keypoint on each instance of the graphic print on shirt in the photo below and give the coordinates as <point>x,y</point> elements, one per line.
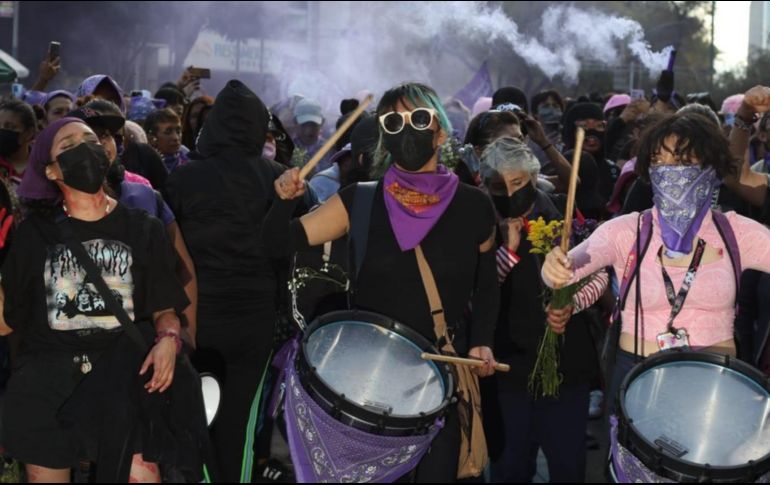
<point>73,302</point>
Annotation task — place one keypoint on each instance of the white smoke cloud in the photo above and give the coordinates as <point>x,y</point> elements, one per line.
<point>376,45</point>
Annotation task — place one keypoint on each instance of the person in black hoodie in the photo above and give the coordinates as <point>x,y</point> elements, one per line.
<point>590,117</point>
<point>558,425</point>
<point>220,200</point>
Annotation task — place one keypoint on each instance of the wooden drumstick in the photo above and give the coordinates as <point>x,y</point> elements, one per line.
<point>309,166</point>
<point>460,361</point>
<point>567,229</point>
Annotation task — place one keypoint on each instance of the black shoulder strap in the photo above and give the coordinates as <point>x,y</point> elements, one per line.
<point>95,277</point>
<point>363,201</point>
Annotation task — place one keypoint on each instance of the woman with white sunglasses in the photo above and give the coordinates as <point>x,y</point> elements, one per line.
<point>418,204</point>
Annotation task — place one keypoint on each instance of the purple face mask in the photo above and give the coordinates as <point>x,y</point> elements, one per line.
<point>682,195</point>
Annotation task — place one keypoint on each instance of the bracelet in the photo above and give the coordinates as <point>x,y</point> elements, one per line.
<point>744,125</point>
<point>547,147</point>
<point>170,333</point>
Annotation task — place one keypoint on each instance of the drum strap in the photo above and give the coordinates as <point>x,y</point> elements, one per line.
<point>473,446</point>
<point>358,238</point>
<point>434,299</point>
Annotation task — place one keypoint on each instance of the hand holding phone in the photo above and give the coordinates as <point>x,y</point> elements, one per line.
<point>200,72</point>
<point>54,49</point>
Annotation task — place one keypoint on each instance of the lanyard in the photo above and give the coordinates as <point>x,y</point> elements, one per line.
<point>677,300</point>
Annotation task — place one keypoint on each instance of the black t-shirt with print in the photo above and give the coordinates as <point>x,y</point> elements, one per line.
<point>50,303</point>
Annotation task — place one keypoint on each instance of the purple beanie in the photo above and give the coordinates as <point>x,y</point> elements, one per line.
<point>35,185</point>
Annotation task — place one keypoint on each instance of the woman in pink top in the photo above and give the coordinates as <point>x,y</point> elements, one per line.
<point>683,157</point>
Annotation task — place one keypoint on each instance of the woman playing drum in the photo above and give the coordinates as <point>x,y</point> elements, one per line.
<point>418,202</point>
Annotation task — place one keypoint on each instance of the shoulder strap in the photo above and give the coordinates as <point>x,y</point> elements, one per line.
<point>731,243</point>
<point>434,299</point>
<point>95,277</point>
<point>159,204</point>
<point>363,201</point>
<point>645,234</point>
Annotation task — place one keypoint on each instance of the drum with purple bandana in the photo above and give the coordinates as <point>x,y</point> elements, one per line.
<point>689,416</point>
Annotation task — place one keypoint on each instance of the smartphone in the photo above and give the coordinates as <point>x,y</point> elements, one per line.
<point>17,90</point>
<point>637,94</point>
<point>53,50</point>
<point>200,72</point>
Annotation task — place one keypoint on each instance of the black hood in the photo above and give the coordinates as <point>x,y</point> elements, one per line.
<point>238,120</point>
<point>579,111</point>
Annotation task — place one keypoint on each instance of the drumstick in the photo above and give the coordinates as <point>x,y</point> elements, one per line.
<point>309,166</point>
<point>461,361</point>
<point>567,229</point>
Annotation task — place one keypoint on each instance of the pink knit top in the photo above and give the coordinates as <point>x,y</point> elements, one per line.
<point>709,310</point>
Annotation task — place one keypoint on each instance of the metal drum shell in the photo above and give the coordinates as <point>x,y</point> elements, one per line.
<point>666,465</point>
<point>349,412</point>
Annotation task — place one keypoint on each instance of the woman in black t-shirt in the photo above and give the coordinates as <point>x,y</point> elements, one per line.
<point>417,203</point>
<point>76,390</point>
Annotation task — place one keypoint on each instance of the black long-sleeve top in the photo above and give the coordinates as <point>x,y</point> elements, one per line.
<point>389,280</point>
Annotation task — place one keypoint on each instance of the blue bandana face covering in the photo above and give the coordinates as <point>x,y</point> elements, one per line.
<point>682,195</point>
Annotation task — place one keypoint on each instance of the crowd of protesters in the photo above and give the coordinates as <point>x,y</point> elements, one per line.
<point>192,210</point>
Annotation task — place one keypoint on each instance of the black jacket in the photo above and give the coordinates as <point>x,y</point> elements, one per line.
<point>220,199</point>
<point>522,319</point>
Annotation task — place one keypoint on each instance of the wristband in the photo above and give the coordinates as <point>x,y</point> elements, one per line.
<point>170,333</point>
<point>744,125</point>
<point>547,147</point>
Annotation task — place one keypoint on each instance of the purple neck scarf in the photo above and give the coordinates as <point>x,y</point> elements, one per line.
<point>416,201</point>
<point>172,162</point>
<point>682,195</point>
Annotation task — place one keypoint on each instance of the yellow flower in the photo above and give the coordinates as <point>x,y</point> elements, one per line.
<point>542,235</point>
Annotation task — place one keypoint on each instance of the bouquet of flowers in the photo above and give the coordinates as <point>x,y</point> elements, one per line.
<point>545,377</point>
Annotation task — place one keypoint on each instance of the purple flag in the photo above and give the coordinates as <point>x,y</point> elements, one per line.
<point>480,85</point>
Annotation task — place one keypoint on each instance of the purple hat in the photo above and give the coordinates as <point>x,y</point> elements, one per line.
<point>617,101</point>
<point>56,94</point>
<point>35,185</point>
<point>140,108</point>
<point>90,84</point>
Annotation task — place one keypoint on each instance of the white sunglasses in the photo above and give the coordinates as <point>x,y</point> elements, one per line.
<point>395,121</point>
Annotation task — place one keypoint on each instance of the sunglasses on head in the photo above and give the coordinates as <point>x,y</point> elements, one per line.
<point>395,121</point>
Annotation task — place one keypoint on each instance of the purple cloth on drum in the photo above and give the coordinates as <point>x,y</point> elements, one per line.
<point>629,469</point>
<point>324,450</point>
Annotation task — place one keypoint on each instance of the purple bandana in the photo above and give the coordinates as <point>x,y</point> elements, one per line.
<point>324,450</point>
<point>416,201</point>
<point>172,162</point>
<point>682,195</point>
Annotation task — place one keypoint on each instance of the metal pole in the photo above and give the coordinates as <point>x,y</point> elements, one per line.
<point>15,38</point>
<point>713,49</point>
<point>237,56</point>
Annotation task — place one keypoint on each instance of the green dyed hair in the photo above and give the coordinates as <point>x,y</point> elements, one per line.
<point>416,94</point>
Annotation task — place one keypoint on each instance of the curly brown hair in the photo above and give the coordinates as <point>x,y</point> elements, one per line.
<point>696,137</point>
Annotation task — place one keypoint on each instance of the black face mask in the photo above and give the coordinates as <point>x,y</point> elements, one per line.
<point>84,167</point>
<point>517,204</point>
<point>9,142</point>
<point>599,135</point>
<point>411,149</point>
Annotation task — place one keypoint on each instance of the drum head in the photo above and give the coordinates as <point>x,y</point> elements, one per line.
<point>700,412</point>
<point>375,368</point>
